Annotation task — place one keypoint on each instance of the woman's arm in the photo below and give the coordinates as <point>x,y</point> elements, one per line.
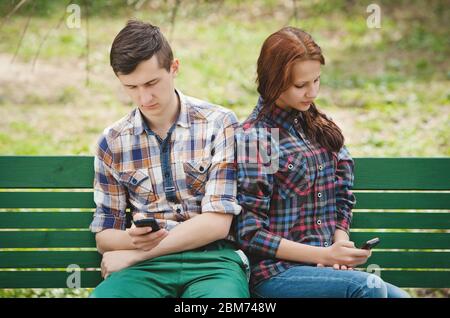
<point>345,199</point>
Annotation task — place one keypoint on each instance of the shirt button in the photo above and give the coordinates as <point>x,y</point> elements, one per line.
<point>202,169</point>
<point>320,167</point>
<point>178,210</point>
<point>290,166</point>
<point>296,120</point>
<point>319,195</point>
<point>166,174</point>
<point>319,222</point>
<point>325,244</point>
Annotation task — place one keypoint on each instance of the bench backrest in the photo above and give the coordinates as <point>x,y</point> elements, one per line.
<point>46,206</point>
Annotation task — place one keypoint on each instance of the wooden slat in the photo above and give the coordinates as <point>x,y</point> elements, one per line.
<point>46,279</point>
<point>90,279</point>
<point>365,200</point>
<point>49,259</point>
<point>370,173</point>
<point>402,173</point>
<point>90,259</point>
<point>417,279</point>
<point>404,240</point>
<point>47,200</point>
<point>73,239</point>
<point>46,239</point>
<point>410,259</point>
<point>402,220</point>
<point>406,200</point>
<point>46,172</point>
<point>46,220</point>
<point>363,220</point>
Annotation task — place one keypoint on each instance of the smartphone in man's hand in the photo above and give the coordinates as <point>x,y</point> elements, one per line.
<point>147,223</point>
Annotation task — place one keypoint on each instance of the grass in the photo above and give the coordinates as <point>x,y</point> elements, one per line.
<point>387,88</point>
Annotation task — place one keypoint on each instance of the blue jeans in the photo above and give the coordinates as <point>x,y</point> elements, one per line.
<point>326,282</point>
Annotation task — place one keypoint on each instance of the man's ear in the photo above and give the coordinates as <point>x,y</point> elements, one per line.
<point>175,67</point>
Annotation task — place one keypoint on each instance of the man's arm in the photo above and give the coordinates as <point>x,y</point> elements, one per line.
<point>111,240</point>
<point>193,233</point>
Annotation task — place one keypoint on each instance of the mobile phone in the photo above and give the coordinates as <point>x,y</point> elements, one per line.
<point>371,243</point>
<point>147,222</point>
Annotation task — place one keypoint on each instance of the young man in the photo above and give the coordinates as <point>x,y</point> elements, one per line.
<point>171,159</point>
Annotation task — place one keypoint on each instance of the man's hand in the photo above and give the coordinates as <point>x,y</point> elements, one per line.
<point>115,261</point>
<point>144,239</point>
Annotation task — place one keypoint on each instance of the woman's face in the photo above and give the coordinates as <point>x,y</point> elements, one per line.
<point>304,88</point>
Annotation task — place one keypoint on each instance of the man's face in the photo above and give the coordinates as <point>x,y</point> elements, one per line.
<point>150,86</point>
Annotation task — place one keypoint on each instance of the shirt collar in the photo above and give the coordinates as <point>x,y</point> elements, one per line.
<point>280,117</point>
<point>183,117</point>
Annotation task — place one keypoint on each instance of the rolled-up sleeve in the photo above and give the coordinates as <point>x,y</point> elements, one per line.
<point>221,187</point>
<point>109,195</point>
<point>345,199</point>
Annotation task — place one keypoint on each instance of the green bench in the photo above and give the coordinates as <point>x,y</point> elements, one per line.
<point>46,206</point>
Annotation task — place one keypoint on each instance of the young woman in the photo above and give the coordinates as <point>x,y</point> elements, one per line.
<point>295,219</point>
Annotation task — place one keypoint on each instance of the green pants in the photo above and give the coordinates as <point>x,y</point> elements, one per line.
<point>214,271</point>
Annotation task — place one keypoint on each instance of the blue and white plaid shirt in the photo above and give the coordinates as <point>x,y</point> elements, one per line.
<point>189,173</point>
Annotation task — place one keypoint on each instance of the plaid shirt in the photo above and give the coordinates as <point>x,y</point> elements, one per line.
<point>130,172</point>
<point>304,201</point>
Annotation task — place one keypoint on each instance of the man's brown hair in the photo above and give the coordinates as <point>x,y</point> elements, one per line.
<point>137,42</point>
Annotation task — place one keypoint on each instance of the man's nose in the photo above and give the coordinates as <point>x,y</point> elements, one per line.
<point>145,96</point>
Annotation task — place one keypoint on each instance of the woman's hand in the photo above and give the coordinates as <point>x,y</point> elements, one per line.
<point>343,255</point>
<point>337,267</point>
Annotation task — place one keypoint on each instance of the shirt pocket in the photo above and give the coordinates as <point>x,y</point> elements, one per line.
<point>197,173</point>
<point>139,184</point>
<point>293,176</point>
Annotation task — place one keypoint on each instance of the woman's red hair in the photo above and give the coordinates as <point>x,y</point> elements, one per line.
<point>279,53</point>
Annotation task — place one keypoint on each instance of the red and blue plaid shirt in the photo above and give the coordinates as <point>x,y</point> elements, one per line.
<point>304,200</point>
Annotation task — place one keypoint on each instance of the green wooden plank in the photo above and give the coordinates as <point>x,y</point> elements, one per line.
<point>405,220</point>
<point>365,200</point>
<point>402,173</point>
<point>410,259</point>
<point>370,173</point>
<point>46,279</point>
<point>37,220</point>
<point>90,279</point>
<point>73,239</point>
<point>90,259</point>
<point>46,239</point>
<point>46,172</point>
<point>404,240</point>
<point>47,200</point>
<point>417,279</point>
<point>361,220</point>
<point>49,259</point>
<point>403,200</point>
